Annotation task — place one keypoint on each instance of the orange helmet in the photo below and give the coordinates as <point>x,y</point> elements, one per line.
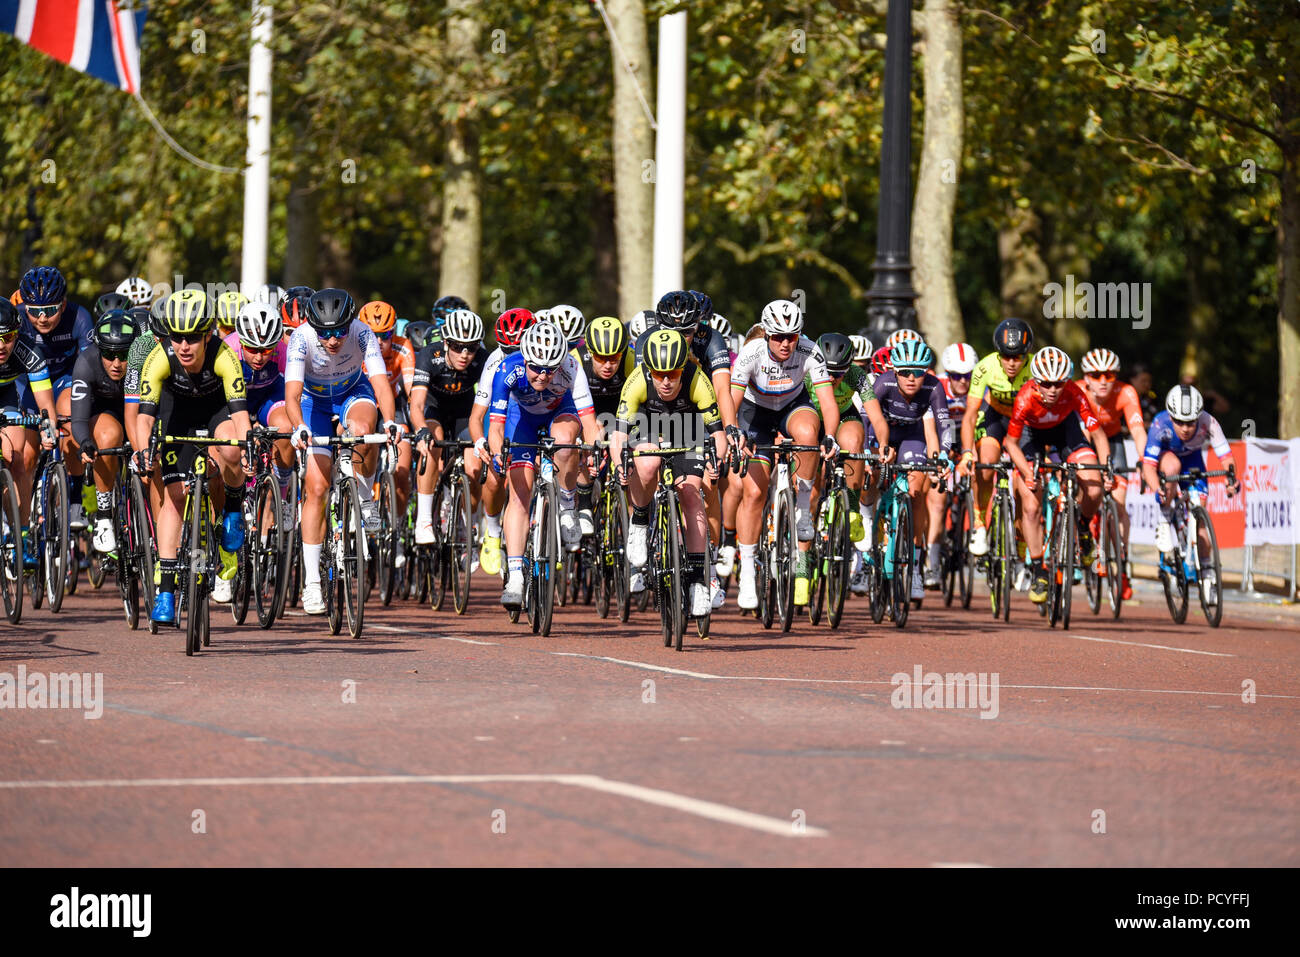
<point>379,316</point>
<point>17,297</point>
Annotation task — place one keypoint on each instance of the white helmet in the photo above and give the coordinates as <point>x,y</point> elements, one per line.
<point>1051,365</point>
<point>781,316</point>
<point>462,325</point>
<point>959,357</point>
<point>861,348</point>
<point>542,315</point>
<point>571,320</point>
<point>1100,360</point>
<point>902,335</point>
<point>1184,403</point>
<point>259,325</point>
<point>137,290</point>
<point>637,326</point>
<point>271,294</point>
<point>720,323</point>
<point>544,345</point>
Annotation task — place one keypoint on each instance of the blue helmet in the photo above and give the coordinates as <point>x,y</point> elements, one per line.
<point>444,307</point>
<point>43,286</point>
<point>706,307</point>
<point>911,354</point>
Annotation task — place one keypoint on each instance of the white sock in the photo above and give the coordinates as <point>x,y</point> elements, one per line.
<point>366,486</point>
<point>310,564</point>
<point>868,513</point>
<point>492,525</point>
<point>423,507</point>
<point>566,498</point>
<point>747,553</point>
<point>803,495</point>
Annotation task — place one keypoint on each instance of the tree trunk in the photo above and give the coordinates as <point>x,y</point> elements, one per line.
<point>1023,269</point>
<point>1064,259</point>
<point>337,267</point>
<point>1288,300</point>
<point>938,313</point>
<point>160,259</point>
<point>302,227</point>
<point>1201,316</point>
<point>603,243</point>
<point>462,206</point>
<point>633,146</point>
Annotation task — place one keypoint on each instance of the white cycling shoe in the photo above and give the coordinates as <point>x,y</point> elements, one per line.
<point>701,604</point>
<point>223,590</point>
<point>513,593</point>
<point>105,540</point>
<point>716,595</point>
<point>979,541</point>
<point>726,562</point>
<point>313,601</point>
<point>636,545</point>
<point>636,583</point>
<point>918,586</point>
<point>424,532</point>
<point>803,524</point>
<point>570,533</point>
<point>747,597</point>
<point>1164,536</point>
<point>586,521</point>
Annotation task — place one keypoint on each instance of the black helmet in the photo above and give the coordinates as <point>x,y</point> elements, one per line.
<point>158,318</point>
<point>838,350</point>
<point>678,310</point>
<point>704,314</point>
<point>10,320</point>
<point>293,292</point>
<point>141,318</point>
<point>1013,337</point>
<point>331,309</point>
<point>110,301</point>
<point>417,332</point>
<point>444,307</point>
<point>115,330</point>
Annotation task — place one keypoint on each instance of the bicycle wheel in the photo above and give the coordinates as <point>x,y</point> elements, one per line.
<point>96,567</point>
<point>354,557</point>
<point>966,575</point>
<point>550,559</point>
<point>787,555</point>
<point>615,552</point>
<point>462,543</point>
<point>241,596</point>
<point>901,584</point>
<point>838,561</point>
<point>1060,571</point>
<point>57,546</point>
<point>386,542</point>
<point>195,557</point>
<point>434,558</point>
<point>816,572</point>
<point>140,539</point>
<point>1211,593</point>
<point>669,571</point>
<point>766,579</point>
<point>128,586</point>
<point>876,596</point>
<point>265,541</point>
<point>11,548</point>
<point>950,548</point>
<point>1002,561</point>
<point>1112,554</point>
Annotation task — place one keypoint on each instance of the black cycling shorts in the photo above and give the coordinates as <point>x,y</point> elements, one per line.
<point>1057,443</point>
<point>188,419</point>
<point>760,426</point>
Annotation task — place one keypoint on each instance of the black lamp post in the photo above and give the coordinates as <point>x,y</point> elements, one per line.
<point>892,298</point>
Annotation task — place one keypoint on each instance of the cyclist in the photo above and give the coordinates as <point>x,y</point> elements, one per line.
<point>681,388</point>
<point>334,368</point>
<point>228,306</point>
<point>137,289</point>
<point>24,388</point>
<point>443,307</point>
<point>510,328</point>
<point>540,388</point>
<point>447,373</point>
<point>995,382</point>
<point>912,399</point>
<point>862,352</point>
<point>399,360</point>
<point>109,301</point>
<point>201,376</point>
<point>607,363</point>
<point>1176,444</point>
<point>60,329</point>
<point>419,333</point>
<point>270,294</point>
<point>958,362</point>
<point>97,411</point>
<point>293,309</point>
<point>1060,421</point>
<point>572,323</point>
<point>768,388</point>
<point>636,326</point>
<point>260,344</point>
<point>1116,405</point>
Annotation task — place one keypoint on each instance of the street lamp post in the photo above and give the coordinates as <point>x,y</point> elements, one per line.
<point>891,296</point>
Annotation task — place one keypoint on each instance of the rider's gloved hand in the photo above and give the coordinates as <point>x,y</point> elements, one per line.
<point>829,445</point>
<point>392,430</point>
<point>88,451</point>
<point>301,437</point>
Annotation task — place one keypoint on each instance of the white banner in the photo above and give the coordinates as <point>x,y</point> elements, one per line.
<point>1143,512</point>
<point>1272,482</point>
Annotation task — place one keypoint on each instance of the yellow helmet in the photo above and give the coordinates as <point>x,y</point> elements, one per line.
<point>228,306</point>
<point>187,312</point>
<point>606,337</point>
<point>666,350</point>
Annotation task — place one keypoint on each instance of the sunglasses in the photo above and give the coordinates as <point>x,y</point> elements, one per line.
<point>331,333</point>
<point>959,376</point>
<point>249,350</point>
<point>541,370</point>
<point>113,355</point>
<point>384,336</point>
<point>1053,385</point>
<point>191,338</point>
<point>1101,376</point>
<point>909,373</point>
<point>9,336</point>
<point>784,337</point>
<point>669,376</point>
<point>454,346</point>
<point>44,312</point>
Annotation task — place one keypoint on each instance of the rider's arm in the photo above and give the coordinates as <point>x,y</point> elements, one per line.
<point>415,408</point>
<point>82,397</point>
<point>377,372</point>
<point>1011,444</point>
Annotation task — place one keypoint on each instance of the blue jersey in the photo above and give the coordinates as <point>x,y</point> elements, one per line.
<point>510,384</point>
<point>75,331</point>
<point>1161,437</point>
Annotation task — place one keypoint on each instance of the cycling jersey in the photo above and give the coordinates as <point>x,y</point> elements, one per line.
<point>906,416</point>
<point>708,347</point>
<point>400,363</point>
<point>853,383</point>
<point>1030,410</point>
<point>135,357</point>
<point>94,391</point>
<point>334,375</point>
<point>75,331</point>
<point>605,392</point>
<point>483,391</point>
<point>265,378</point>
<point>218,382</point>
<point>988,376</point>
<point>772,384</point>
<point>956,403</point>
<point>23,373</point>
<point>512,388</point>
<point>1121,408</point>
<point>451,394</point>
<point>1163,438</point>
<point>696,395</point>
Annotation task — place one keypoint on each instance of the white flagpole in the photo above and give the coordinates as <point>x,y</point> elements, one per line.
<point>257,177</point>
<point>670,158</point>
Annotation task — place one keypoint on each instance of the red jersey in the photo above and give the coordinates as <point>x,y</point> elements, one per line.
<point>1122,408</point>
<point>1029,409</point>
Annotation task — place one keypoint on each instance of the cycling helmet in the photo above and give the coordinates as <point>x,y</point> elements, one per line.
<point>1051,365</point>
<point>16,298</point>
<point>959,358</point>
<point>43,286</point>
<point>1100,360</point>
<point>417,333</point>
<point>544,345</point>
<point>861,348</point>
<point>571,322</point>
<point>10,320</point>
<point>880,361</point>
<point>444,307</point>
<point>704,307</point>
<point>111,301</point>
<point>463,325</point>
<point>259,325</point>
<point>187,313</point>
<point>1013,337</point>
<point>379,316</point>
<point>271,294</point>
<point>1184,403</point>
<point>511,325</point>
<point>666,350</point>
<point>158,317</point>
<point>781,316</point>
<point>293,310</point>
<point>542,315</point>
<point>115,330</point>
<point>911,354</point>
<point>902,335</point>
<point>720,323</point>
<point>295,291</point>
<point>137,290</point>
<point>838,351</point>
<point>678,310</point>
<point>606,337</point>
<point>142,318</point>
<point>228,306</point>
<point>637,326</point>
<point>331,309</point>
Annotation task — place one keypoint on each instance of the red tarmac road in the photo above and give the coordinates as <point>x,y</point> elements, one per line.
<point>473,742</point>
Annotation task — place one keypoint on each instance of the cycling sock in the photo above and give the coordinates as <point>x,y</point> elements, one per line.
<point>366,487</point>
<point>641,514</point>
<point>566,499</point>
<point>695,564</point>
<point>868,513</point>
<point>75,483</point>
<point>310,564</point>
<point>234,498</point>
<point>167,581</point>
<point>916,556</point>
<point>423,507</point>
<point>103,504</point>
<point>729,537</point>
<point>584,496</point>
<point>932,559</point>
<point>803,496</point>
<point>747,553</point>
<point>492,524</point>
<point>515,565</point>
<point>282,475</point>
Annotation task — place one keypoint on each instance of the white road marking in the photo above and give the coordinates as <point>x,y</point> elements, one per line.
<point>1143,644</point>
<point>592,782</point>
<point>407,631</point>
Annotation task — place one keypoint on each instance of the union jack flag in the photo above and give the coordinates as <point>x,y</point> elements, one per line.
<point>99,37</point>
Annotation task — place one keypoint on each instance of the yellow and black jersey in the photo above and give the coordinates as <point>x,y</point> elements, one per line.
<point>605,392</point>
<point>639,397</point>
<point>218,381</point>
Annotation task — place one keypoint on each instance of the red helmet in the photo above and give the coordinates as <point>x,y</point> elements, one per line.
<point>511,325</point>
<point>880,361</point>
<point>293,310</point>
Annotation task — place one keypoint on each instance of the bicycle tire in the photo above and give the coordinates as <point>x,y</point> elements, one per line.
<point>462,544</point>
<point>1007,533</point>
<point>788,557</point>
<point>11,548</point>
<point>96,567</point>
<point>190,552</point>
<point>672,607</point>
<point>949,550</point>
<point>1071,560</point>
<point>876,569</point>
<point>1213,610</point>
<point>603,579</point>
<point>354,558</point>
<point>58,547</point>
<point>265,539</point>
<point>840,560</point>
<point>765,577</point>
<point>966,578</point>
<point>1113,555</point>
<point>434,557</point>
<point>141,539</point>
<point>816,577</point>
<point>617,561</point>
<point>901,583</point>
<point>552,557</point>
<point>386,543</point>
<point>242,584</point>
<point>128,588</point>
